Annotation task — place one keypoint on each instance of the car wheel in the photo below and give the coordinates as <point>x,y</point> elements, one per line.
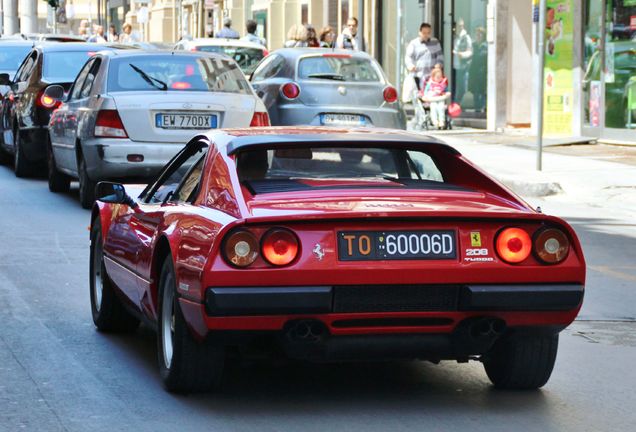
<point>522,361</point>
<point>86,186</point>
<point>109,313</point>
<point>21,166</point>
<point>58,182</point>
<point>186,365</point>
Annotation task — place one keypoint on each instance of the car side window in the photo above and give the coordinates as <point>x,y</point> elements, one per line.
<point>90,78</point>
<point>27,67</point>
<point>190,183</point>
<point>269,68</point>
<point>79,81</point>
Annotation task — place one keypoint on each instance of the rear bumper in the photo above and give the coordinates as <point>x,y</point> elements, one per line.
<point>298,114</point>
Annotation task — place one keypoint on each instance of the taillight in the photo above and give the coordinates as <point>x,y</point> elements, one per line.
<point>279,246</point>
<point>47,102</point>
<point>551,245</point>
<point>109,125</point>
<point>260,119</point>
<point>265,53</point>
<point>241,248</point>
<point>513,245</point>
<point>390,94</point>
<point>290,90</point>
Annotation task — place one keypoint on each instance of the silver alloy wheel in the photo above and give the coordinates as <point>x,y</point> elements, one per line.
<point>167,321</point>
<point>98,286</point>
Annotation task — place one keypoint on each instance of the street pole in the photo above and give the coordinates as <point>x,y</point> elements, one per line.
<point>540,76</point>
<point>361,24</point>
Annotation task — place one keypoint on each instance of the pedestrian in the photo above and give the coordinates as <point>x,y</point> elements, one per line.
<point>227,31</point>
<point>312,40</point>
<point>435,95</point>
<point>296,37</point>
<point>127,36</point>
<point>422,54</point>
<point>349,38</point>
<point>462,54</point>
<point>477,82</point>
<point>83,29</point>
<point>327,37</point>
<point>251,36</point>
<point>98,36</point>
<point>112,34</point>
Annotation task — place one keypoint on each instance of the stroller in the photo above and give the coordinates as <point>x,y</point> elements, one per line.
<point>421,105</point>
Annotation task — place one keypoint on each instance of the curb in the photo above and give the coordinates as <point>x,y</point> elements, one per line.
<point>531,189</point>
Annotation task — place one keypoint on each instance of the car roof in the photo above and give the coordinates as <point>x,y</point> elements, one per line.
<point>142,53</point>
<point>17,42</point>
<point>225,42</point>
<point>293,53</point>
<point>80,46</point>
<point>235,139</point>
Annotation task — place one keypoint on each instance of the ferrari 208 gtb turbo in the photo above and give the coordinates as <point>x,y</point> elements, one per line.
<point>332,245</point>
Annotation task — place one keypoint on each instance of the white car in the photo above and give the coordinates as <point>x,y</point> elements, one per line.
<point>128,113</point>
<point>246,54</point>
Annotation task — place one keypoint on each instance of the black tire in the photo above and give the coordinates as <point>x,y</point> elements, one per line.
<point>185,364</point>
<point>86,186</point>
<point>109,314</point>
<point>522,361</point>
<point>58,182</point>
<point>21,166</point>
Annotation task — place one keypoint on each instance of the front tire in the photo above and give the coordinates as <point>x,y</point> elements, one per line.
<point>86,186</point>
<point>185,364</point>
<point>522,361</point>
<point>58,182</point>
<point>109,314</point>
<point>21,166</point>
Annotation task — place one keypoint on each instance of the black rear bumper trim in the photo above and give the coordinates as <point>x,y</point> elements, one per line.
<point>520,297</point>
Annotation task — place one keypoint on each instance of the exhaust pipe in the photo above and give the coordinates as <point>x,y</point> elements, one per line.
<point>487,328</point>
<point>306,331</point>
<point>476,336</point>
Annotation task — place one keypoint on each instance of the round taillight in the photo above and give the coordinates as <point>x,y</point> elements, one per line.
<point>290,90</point>
<point>279,246</point>
<point>551,245</point>
<point>513,245</point>
<point>390,94</point>
<point>241,248</point>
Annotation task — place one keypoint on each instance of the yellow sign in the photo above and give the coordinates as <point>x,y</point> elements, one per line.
<point>475,239</point>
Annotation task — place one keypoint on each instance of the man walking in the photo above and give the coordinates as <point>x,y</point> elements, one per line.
<point>251,33</point>
<point>422,54</point>
<point>349,38</point>
<point>227,31</point>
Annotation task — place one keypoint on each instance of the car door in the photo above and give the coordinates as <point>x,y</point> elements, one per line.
<point>6,122</point>
<point>15,96</point>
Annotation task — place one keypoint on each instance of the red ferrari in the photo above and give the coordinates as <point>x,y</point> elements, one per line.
<point>332,245</point>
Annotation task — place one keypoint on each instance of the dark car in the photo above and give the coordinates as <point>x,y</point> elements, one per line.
<point>26,110</point>
<point>324,87</point>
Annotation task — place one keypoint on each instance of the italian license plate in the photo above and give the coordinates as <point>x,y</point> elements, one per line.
<point>342,120</point>
<point>396,245</point>
<point>185,121</point>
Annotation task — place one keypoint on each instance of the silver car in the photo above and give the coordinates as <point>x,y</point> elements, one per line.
<point>314,86</point>
<point>128,113</point>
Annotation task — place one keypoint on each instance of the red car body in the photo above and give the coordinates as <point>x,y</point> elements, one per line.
<point>321,307</point>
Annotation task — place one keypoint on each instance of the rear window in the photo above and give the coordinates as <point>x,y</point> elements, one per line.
<point>11,57</point>
<point>247,58</point>
<point>301,168</point>
<point>341,68</point>
<point>63,66</point>
<point>176,73</point>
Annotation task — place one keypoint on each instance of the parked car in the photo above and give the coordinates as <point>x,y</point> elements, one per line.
<point>53,37</point>
<point>128,113</point>
<point>26,109</point>
<point>332,245</point>
<point>311,86</point>
<point>246,54</point>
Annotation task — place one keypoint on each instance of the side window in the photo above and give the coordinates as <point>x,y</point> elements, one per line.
<point>269,68</point>
<point>79,81</point>
<point>26,68</point>
<point>90,78</point>
<point>190,183</point>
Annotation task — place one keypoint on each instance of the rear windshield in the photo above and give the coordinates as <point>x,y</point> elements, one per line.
<point>247,58</point>
<point>176,73</point>
<point>339,68</point>
<point>301,168</point>
<point>11,57</point>
<point>63,66</point>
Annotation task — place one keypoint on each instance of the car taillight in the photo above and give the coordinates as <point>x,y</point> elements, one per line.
<point>551,245</point>
<point>265,53</point>
<point>260,119</point>
<point>390,94</point>
<point>109,125</point>
<point>47,102</point>
<point>279,246</point>
<point>290,90</point>
<point>513,245</point>
<point>241,248</point>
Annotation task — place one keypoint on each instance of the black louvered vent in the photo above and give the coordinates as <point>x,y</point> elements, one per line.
<point>395,298</point>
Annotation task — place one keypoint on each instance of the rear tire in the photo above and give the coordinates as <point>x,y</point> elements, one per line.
<point>185,364</point>
<point>58,182</point>
<point>522,361</point>
<point>109,313</point>
<point>86,186</point>
<point>21,166</point>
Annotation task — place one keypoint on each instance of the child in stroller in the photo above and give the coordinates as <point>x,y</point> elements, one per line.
<point>430,103</point>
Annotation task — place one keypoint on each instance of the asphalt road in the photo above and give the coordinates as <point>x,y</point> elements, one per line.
<point>58,373</point>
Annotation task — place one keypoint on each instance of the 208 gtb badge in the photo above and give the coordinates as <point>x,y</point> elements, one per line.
<point>320,254</point>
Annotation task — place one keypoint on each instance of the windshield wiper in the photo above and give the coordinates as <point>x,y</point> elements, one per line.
<point>157,83</point>
<point>330,76</point>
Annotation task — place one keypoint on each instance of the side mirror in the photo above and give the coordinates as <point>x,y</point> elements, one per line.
<point>113,193</point>
<point>55,92</point>
<point>5,79</point>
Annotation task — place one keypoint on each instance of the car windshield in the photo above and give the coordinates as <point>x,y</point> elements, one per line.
<point>338,67</point>
<point>175,73</point>
<point>63,66</point>
<point>246,57</point>
<point>301,168</point>
<point>11,57</point>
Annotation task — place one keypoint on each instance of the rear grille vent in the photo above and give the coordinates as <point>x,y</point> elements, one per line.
<point>395,298</point>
